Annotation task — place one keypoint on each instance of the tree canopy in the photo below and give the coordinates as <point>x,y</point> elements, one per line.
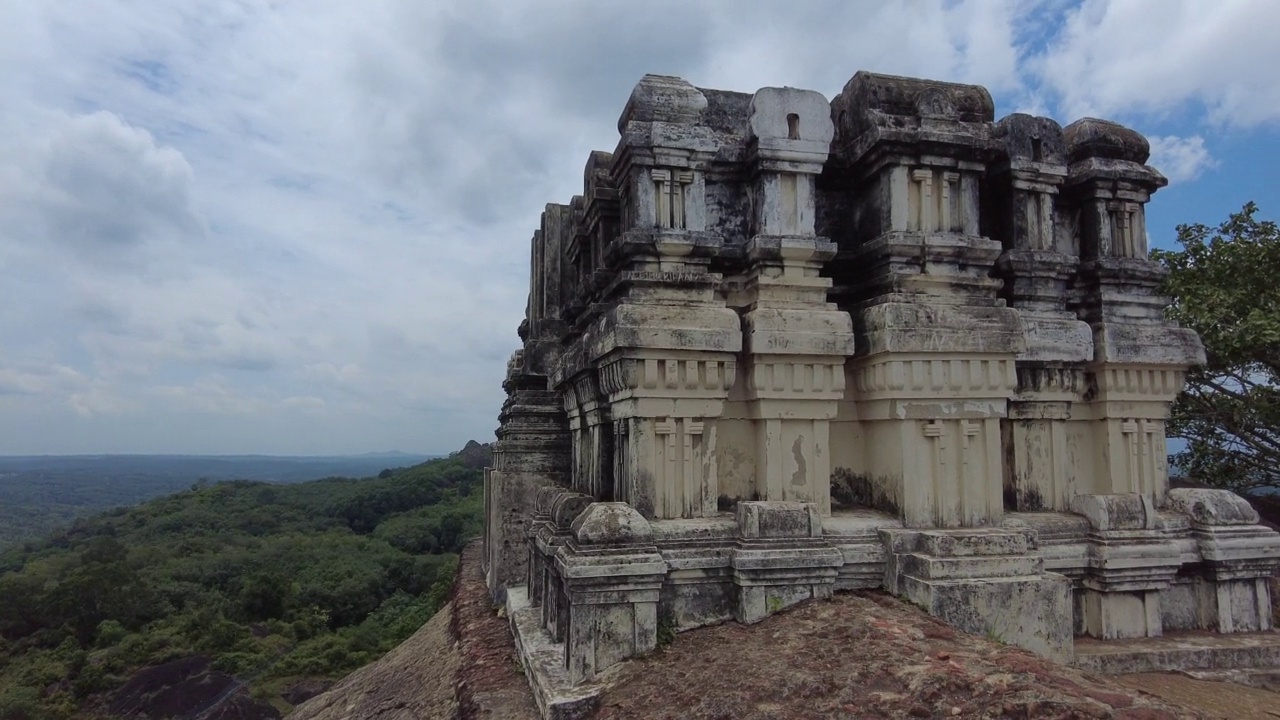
<point>1225,285</point>
<point>269,583</point>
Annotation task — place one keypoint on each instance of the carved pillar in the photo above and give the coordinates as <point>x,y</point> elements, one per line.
<point>1037,264</point>
<point>1139,358</point>
<point>600,223</point>
<point>795,343</point>
<point>937,345</point>
<point>664,346</point>
<point>532,451</point>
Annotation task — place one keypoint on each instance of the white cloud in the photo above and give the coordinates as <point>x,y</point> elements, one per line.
<point>96,185</point>
<point>304,227</point>
<point>1166,56</point>
<point>1180,158</point>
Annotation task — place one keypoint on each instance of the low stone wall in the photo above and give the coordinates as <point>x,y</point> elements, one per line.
<point>606,583</point>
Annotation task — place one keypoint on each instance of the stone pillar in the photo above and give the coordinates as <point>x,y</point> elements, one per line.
<point>577,437</point>
<point>612,575</point>
<point>1131,561</point>
<point>935,369</point>
<point>1232,587</point>
<point>1139,358</point>
<point>781,558</point>
<point>555,534</point>
<point>532,452</point>
<point>598,435</point>
<point>795,343</point>
<point>546,536</point>
<point>665,346</point>
<point>1038,261</point>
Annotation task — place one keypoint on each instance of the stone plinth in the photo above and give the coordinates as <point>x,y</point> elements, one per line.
<point>1238,558</point>
<point>985,581</point>
<point>612,575</point>
<point>781,558</point>
<point>1130,563</point>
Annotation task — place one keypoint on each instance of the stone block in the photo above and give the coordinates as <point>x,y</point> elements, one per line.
<point>774,520</point>
<point>769,580</point>
<point>611,523</point>
<point>557,697</point>
<point>791,124</point>
<point>979,542</point>
<point>899,327</point>
<point>781,558</point>
<point>1146,344</point>
<point>1118,614</point>
<point>566,508</point>
<point>1032,612</point>
<point>698,589</point>
<point>1121,511</point>
<point>1212,507</point>
<point>857,537</point>
<point>697,597</point>
<point>612,578</point>
<point>510,497</point>
<point>926,567</point>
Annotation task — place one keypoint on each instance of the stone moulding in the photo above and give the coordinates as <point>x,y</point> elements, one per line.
<point>948,318</point>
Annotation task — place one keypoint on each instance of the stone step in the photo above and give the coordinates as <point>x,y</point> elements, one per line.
<point>973,542</point>
<point>1179,652</point>
<point>543,663</point>
<point>1267,678</point>
<point>928,567</point>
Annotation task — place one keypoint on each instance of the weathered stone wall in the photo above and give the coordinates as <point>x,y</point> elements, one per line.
<point>780,346</point>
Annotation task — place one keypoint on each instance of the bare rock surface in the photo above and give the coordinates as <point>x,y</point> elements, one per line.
<point>461,664</point>
<point>490,682</point>
<point>186,687</point>
<point>1218,699</point>
<point>415,680</point>
<point>864,655</point>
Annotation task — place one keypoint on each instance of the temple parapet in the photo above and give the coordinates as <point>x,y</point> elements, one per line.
<point>779,347</point>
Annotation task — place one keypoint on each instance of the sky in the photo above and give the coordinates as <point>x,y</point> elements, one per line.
<point>302,226</point>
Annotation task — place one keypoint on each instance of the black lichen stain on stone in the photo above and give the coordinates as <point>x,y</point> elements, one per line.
<point>797,451</point>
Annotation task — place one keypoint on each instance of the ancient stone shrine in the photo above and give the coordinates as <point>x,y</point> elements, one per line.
<point>781,346</point>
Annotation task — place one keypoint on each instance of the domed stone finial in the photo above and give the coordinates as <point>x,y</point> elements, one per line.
<point>663,98</point>
<point>613,523</point>
<point>1092,137</point>
<point>872,100</point>
<point>1037,139</point>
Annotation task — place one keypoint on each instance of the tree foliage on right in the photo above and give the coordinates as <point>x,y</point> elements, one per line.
<point>1225,285</point>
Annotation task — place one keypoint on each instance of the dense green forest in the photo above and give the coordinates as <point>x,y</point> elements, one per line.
<point>41,493</point>
<point>226,584</point>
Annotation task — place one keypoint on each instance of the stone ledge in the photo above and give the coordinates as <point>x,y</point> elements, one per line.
<point>1178,651</point>
<point>975,542</point>
<point>927,567</point>
<point>543,661</point>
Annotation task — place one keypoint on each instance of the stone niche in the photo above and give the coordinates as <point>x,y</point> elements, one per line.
<point>782,346</point>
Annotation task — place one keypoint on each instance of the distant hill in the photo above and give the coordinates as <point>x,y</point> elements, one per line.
<point>229,600</point>
<point>41,493</point>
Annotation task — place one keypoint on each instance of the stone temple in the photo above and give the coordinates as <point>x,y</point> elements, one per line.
<point>782,346</point>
